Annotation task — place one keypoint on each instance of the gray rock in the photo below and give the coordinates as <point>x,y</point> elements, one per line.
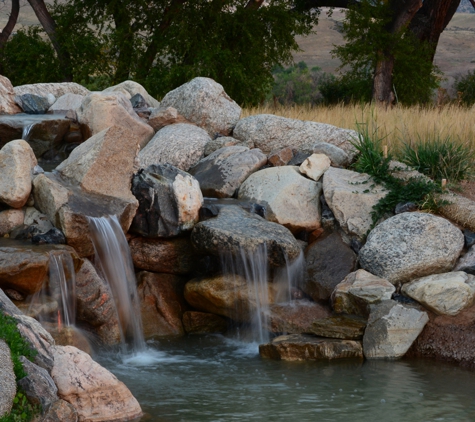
<point>60,411</point>
<point>299,347</point>
<point>337,156</point>
<point>347,327</point>
<point>358,291</point>
<point>169,201</point>
<point>66,102</point>
<point>51,237</point>
<point>443,294</point>
<point>221,173</point>
<point>235,230</point>
<point>391,330</point>
<point>224,141</point>
<point>37,219</point>
<point>38,385</point>
<point>329,261</point>
<point>138,101</point>
<point>33,104</point>
<point>271,132</point>
<point>57,89</point>
<point>182,145</point>
<point>131,88</point>
<point>466,262</point>
<point>411,245</point>
<point>292,199</point>
<point>203,102</point>
<point>351,196</point>
<point>7,380</point>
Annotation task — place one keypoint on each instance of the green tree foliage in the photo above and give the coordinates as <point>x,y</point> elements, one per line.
<point>298,84</point>
<point>366,31</point>
<point>165,43</point>
<point>466,85</point>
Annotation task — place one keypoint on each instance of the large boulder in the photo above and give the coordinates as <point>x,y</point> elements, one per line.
<point>227,295</point>
<point>25,268</point>
<point>173,256</point>
<point>299,347</point>
<point>68,209</point>
<point>7,97</point>
<point>269,133</point>
<point>443,294</point>
<point>169,201</point>
<point>222,172</point>
<point>358,291</point>
<point>292,200</point>
<point>161,304</point>
<point>57,89</point>
<point>104,164</point>
<point>224,141</point>
<point>131,88</point>
<point>17,162</point>
<point>182,145</point>
<point>351,196</point>
<point>96,393</point>
<point>411,245</point>
<point>203,102</point>
<point>391,330</point>
<point>235,230</point>
<point>329,260</point>
<point>7,380</point>
<point>101,111</point>
<point>95,304</point>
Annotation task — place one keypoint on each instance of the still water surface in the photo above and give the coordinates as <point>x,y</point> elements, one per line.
<point>215,379</point>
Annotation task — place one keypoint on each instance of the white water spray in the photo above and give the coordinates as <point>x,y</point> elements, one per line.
<point>113,260</point>
<point>26,132</point>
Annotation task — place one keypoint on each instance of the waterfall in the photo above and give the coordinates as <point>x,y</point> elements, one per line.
<point>114,262</point>
<point>26,131</point>
<point>288,277</point>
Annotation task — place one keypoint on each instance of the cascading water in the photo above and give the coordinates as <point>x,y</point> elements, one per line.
<point>253,266</point>
<point>113,260</point>
<point>26,132</point>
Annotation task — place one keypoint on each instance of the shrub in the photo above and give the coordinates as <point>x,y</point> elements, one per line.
<point>466,86</point>
<point>440,158</point>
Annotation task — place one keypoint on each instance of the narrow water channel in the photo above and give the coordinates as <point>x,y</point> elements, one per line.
<point>213,378</point>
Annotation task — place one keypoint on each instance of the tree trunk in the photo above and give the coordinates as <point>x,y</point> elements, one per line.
<point>7,30</point>
<point>49,26</point>
<point>125,43</point>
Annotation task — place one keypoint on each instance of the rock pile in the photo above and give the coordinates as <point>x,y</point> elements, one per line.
<point>192,185</point>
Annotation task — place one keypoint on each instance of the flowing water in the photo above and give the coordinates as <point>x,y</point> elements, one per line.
<point>113,260</point>
<point>212,378</point>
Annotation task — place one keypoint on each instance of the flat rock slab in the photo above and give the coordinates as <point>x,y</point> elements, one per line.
<point>292,199</point>
<point>235,230</point>
<point>269,133</point>
<point>300,347</point>
<point>358,291</point>
<point>329,261</point>
<point>391,330</point>
<point>443,294</point>
<point>351,196</point>
<point>56,88</point>
<point>339,326</point>
<point>24,268</point>
<point>295,317</point>
<point>411,245</point>
<point>204,102</point>
<point>224,170</point>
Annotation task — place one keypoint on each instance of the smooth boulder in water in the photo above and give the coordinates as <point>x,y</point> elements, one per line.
<point>235,230</point>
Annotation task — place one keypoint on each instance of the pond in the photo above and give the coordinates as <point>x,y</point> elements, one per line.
<point>214,378</point>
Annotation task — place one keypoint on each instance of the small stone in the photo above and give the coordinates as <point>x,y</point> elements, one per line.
<point>51,237</point>
<point>469,238</point>
<point>161,117</point>
<point>138,101</point>
<point>340,326</point>
<point>466,262</point>
<point>280,157</point>
<point>405,207</point>
<point>315,165</point>
<point>14,295</point>
<point>33,104</point>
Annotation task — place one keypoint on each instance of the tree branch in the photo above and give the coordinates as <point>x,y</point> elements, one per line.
<point>6,32</point>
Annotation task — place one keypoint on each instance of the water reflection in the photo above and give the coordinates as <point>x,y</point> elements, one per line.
<point>217,379</point>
